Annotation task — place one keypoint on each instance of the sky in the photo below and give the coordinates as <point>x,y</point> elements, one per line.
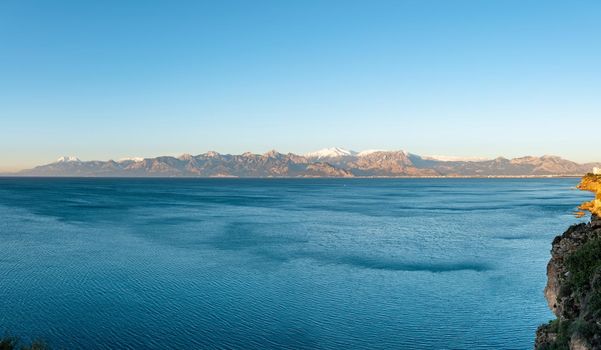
<point>482,78</point>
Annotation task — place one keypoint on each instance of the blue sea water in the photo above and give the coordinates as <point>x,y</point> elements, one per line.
<point>279,264</point>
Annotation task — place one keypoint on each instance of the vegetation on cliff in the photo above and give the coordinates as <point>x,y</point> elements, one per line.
<point>574,282</point>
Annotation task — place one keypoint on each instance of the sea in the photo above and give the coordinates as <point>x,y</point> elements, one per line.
<point>171,263</point>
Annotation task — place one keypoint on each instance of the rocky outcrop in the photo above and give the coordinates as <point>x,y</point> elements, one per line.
<point>573,289</point>
<point>592,182</point>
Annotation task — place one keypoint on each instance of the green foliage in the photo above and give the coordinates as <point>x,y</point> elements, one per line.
<point>584,266</point>
<point>565,330</point>
<point>564,333</point>
<point>565,290</point>
<point>583,263</point>
<point>594,304</point>
<point>585,329</point>
<point>553,326</point>
<point>563,336</point>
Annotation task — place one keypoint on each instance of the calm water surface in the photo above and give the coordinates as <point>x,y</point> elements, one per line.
<point>260,264</point>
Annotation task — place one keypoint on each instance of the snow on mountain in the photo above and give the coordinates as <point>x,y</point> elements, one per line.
<point>67,159</point>
<point>333,152</point>
<point>370,151</point>
<point>456,159</point>
<point>132,159</point>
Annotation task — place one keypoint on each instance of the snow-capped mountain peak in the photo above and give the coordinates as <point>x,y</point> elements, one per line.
<point>455,158</point>
<point>67,159</point>
<point>369,151</point>
<point>332,152</point>
<point>130,159</point>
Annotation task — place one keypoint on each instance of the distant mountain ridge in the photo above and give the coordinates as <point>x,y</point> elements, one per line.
<point>330,162</point>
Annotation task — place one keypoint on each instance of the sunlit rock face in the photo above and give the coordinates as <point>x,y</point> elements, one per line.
<point>591,182</point>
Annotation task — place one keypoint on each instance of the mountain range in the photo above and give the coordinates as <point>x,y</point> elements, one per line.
<point>330,162</point>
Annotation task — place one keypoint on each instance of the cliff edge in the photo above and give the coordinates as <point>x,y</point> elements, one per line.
<point>573,289</point>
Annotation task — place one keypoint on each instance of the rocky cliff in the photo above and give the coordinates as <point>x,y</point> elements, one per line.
<point>573,289</point>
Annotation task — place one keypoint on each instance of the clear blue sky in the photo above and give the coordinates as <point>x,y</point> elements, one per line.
<point>111,79</point>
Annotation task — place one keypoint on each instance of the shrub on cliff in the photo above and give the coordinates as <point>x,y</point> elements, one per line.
<point>562,333</point>
<point>583,264</point>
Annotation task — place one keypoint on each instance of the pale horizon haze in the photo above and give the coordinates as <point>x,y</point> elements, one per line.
<point>113,79</point>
